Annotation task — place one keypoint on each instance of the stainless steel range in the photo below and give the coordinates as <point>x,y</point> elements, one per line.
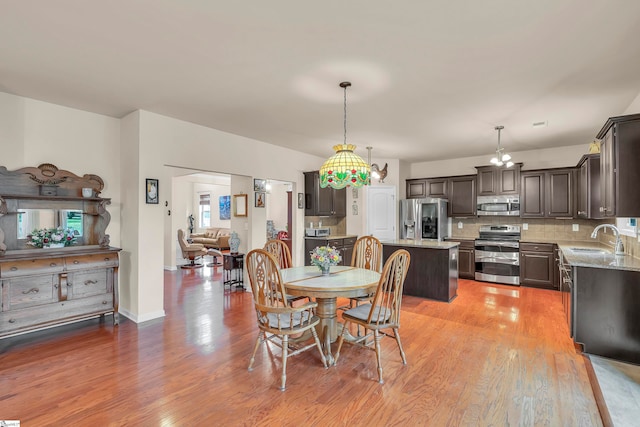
<point>497,252</point>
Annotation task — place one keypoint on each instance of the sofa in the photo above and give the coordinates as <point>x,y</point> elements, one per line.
<point>213,238</point>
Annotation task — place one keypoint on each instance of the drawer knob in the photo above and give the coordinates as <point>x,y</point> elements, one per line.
<point>75,261</point>
<point>14,268</point>
<point>31,291</point>
<point>53,264</point>
<point>12,320</point>
<point>107,259</point>
<point>105,302</point>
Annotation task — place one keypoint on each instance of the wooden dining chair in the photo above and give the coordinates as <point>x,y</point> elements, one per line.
<point>367,253</point>
<point>280,251</point>
<point>383,312</point>
<point>277,318</point>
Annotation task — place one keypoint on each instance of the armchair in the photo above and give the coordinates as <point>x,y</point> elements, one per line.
<point>190,251</point>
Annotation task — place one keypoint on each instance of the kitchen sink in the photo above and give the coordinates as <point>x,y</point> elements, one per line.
<point>590,251</point>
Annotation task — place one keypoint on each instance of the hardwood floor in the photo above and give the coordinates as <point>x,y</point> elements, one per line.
<point>497,355</point>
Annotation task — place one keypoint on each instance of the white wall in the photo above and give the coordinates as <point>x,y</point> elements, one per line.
<point>534,159</point>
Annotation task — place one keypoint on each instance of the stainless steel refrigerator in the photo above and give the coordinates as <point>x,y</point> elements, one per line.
<point>422,219</point>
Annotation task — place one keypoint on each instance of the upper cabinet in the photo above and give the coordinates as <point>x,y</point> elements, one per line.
<point>498,180</point>
<point>462,196</point>
<point>588,188</point>
<point>547,193</point>
<point>323,201</point>
<point>427,187</point>
<point>619,171</point>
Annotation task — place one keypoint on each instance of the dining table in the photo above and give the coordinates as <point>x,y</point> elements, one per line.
<point>341,282</point>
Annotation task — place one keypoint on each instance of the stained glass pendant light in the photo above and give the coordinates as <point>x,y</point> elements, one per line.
<point>344,168</point>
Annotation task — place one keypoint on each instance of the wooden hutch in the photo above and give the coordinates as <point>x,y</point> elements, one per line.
<point>42,287</point>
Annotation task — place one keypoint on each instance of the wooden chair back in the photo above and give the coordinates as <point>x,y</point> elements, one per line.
<point>385,308</point>
<point>367,253</point>
<point>280,251</point>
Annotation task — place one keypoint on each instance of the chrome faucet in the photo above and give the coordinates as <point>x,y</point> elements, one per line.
<point>619,247</point>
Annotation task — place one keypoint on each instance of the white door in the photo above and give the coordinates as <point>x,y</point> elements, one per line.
<point>381,212</point>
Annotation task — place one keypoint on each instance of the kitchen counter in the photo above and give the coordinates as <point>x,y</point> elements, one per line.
<point>433,270</point>
<point>431,244</point>
<point>606,259</point>
<point>332,237</point>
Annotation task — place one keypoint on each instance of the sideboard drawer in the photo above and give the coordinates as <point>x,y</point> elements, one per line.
<point>83,262</point>
<point>31,291</point>
<point>86,283</point>
<point>15,268</point>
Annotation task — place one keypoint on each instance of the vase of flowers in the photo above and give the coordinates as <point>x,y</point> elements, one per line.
<point>324,257</point>
<point>52,237</point>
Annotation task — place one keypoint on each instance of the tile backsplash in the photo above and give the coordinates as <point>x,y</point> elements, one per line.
<point>337,225</point>
<point>543,229</point>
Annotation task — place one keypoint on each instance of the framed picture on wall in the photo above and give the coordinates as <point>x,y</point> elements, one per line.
<point>260,185</point>
<point>225,207</point>
<point>240,204</point>
<point>260,200</point>
<point>151,191</point>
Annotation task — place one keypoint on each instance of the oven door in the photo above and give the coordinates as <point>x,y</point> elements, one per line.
<point>497,261</point>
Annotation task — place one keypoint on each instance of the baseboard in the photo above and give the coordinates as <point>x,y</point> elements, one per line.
<point>144,318</point>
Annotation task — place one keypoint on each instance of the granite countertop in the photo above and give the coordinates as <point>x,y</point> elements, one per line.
<point>603,259</point>
<point>331,237</point>
<point>431,244</point>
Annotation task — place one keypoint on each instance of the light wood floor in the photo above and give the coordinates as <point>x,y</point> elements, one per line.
<point>497,355</point>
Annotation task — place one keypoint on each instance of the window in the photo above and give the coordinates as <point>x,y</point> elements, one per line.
<point>205,210</point>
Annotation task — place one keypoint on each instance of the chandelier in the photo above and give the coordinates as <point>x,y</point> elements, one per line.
<point>344,168</point>
<point>501,157</point>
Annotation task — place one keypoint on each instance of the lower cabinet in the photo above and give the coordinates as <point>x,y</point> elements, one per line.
<point>344,245</point>
<point>466,259</point>
<point>538,265</point>
<point>52,287</point>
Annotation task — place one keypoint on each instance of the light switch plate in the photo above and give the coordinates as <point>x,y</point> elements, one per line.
<point>575,227</point>
<point>525,226</point>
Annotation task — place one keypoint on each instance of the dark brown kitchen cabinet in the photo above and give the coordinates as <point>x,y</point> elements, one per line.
<point>588,194</point>
<point>466,259</point>
<point>547,193</point>
<point>416,188</point>
<point>498,180</point>
<point>619,171</point>
<point>427,187</point>
<point>462,196</point>
<point>537,265</point>
<point>323,201</point>
<point>344,245</point>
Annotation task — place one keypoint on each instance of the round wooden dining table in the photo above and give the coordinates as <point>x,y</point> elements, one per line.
<point>343,281</point>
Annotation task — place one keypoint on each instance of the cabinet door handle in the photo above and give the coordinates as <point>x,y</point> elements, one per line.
<point>75,261</point>
<point>105,302</point>
<point>14,268</point>
<point>53,264</point>
<point>12,320</point>
<point>90,282</point>
<point>107,259</point>
<point>31,291</point>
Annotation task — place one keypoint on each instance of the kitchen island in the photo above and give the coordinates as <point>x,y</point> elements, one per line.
<point>433,271</point>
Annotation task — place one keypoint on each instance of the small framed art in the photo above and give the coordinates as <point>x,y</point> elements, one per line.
<point>300,200</point>
<point>260,200</point>
<point>260,185</point>
<point>151,191</point>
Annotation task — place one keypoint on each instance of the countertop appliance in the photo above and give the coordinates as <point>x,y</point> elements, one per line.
<point>498,205</point>
<point>317,232</point>
<point>424,219</point>
<point>497,254</point>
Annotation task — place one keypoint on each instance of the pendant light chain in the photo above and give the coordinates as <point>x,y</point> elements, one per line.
<point>345,113</point>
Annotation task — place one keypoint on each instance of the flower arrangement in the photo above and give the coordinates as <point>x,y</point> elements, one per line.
<point>324,257</point>
<point>46,237</point>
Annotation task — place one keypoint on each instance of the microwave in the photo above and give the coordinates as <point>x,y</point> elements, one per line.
<point>317,232</point>
<point>498,205</point>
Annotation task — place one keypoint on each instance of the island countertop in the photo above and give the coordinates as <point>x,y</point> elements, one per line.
<point>431,244</point>
<point>578,254</point>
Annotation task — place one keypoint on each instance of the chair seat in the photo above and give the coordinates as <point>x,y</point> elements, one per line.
<point>289,321</point>
<point>361,313</point>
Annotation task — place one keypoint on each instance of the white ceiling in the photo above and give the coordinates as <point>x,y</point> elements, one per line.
<point>431,79</point>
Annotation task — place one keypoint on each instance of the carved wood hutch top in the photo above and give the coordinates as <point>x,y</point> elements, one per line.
<point>47,197</point>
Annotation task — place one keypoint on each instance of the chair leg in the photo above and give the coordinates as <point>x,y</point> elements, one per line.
<point>397,334</point>
<point>315,337</point>
<point>285,350</point>
<point>259,341</point>
<point>378,338</point>
<point>340,341</point>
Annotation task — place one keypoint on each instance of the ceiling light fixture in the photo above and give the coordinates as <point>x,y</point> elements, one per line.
<point>501,157</point>
<point>344,168</point>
